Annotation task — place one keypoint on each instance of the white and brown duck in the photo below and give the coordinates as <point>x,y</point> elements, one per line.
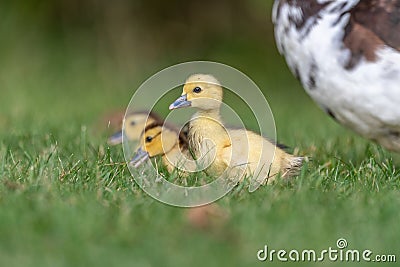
<point>346,53</point>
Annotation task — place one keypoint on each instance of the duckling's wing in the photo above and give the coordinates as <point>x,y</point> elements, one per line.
<point>261,158</point>
<point>237,165</point>
<point>249,154</point>
<point>234,155</point>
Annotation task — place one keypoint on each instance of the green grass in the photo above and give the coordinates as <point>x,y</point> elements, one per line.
<point>65,199</point>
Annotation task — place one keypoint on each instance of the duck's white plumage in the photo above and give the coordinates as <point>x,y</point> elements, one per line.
<point>346,59</point>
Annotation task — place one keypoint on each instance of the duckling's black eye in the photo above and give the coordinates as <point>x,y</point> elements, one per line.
<point>149,139</point>
<point>133,123</point>
<point>197,90</point>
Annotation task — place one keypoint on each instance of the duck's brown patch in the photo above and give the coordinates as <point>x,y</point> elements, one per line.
<point>373,24</point>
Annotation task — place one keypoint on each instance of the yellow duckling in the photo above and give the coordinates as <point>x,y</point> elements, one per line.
<point>230,147</point>
<point>134,125</point>
<point>162,140</point>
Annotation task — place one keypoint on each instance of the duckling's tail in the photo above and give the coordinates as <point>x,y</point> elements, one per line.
<point>293,166</point>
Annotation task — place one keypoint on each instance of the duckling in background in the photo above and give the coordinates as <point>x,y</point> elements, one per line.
<point>158,139</point>
<point>134,125</point>
<point>110,121</point>
<point>232,147</point>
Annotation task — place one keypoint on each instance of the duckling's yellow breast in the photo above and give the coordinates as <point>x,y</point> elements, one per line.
<point>207,138</point>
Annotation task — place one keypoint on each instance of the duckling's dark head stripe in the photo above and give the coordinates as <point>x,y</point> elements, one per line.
<point>157,134</point>
<point>183,141</point>
<point>153,125</point>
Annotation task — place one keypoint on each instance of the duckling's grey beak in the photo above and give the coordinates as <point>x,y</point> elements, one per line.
<point>140,157</point>
<point>115,139</point>
<point>181,102</point>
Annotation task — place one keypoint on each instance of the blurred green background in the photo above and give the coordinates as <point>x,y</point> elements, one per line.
<point>74,62</point>
<point>66,65</point>
<point>78,59</point>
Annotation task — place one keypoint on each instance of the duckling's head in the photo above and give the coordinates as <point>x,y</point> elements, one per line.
<point>202,91</point>
<point>134,125</point>
<point>157,139</point>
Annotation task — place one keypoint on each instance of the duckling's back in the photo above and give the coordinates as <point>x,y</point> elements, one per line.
<point>263,159</point>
